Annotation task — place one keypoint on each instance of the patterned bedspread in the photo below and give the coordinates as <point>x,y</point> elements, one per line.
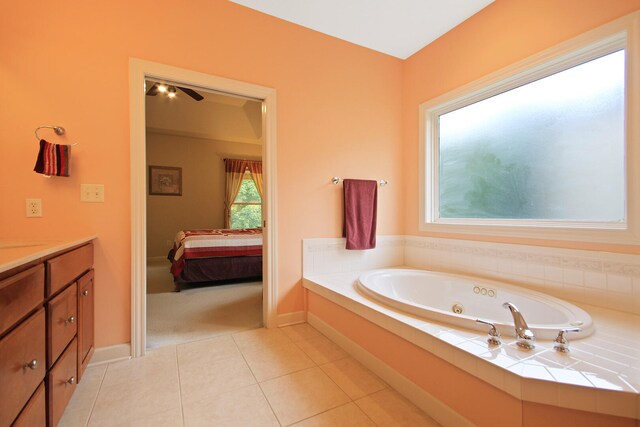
<point>191,244</point>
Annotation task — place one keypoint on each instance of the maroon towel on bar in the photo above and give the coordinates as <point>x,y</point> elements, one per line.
<point>360,212</point>
<point>53,159</point>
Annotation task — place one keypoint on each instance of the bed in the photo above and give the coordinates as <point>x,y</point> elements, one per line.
<point>201,256</point>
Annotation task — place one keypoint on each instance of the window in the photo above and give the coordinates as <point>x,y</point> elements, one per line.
<point>552,149</point>
<point>246,210</point>
<point>544,148</point>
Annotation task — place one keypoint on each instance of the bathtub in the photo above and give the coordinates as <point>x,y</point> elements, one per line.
<point>460,300</point>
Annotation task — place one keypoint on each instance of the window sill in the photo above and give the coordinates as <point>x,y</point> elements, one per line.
<point>624,236</point>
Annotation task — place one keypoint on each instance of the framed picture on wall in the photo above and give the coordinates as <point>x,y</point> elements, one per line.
<point>165,181</point>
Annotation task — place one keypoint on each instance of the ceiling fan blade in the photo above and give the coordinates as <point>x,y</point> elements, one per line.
<point>153,91</point>
<point>192,93</point>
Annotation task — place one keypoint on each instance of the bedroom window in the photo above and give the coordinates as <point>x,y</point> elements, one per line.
<point>543,149</point>
<point>246,210</point>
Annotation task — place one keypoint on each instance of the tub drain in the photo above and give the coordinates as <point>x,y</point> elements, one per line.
<point>457,308</point>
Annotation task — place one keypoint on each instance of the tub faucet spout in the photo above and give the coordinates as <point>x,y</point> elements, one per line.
<point>525,336</point>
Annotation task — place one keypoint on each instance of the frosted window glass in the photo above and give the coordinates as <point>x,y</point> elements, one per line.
<point>552,149</point>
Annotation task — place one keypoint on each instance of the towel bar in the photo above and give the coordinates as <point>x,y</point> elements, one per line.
<point>335,181</point>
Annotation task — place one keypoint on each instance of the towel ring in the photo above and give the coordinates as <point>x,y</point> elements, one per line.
<point>59,130</point>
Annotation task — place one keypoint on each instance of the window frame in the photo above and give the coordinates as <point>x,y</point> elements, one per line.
<point>245,177</point>
<point>620,34</point>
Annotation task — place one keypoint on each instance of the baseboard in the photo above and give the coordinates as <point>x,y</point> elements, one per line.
<point>291,318</point>
<point>421,398</point>
<point>112,353</point>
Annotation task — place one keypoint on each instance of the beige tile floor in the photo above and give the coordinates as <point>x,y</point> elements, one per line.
<point>262,377</point>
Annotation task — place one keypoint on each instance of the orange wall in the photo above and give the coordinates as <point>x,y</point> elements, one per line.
<point>501,34</point>
<point>66,63</point>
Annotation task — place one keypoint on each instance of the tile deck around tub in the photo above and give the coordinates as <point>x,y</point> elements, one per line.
<point>601,373</point>
<point>263,377</point>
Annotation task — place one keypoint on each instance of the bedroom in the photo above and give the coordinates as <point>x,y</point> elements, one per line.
<point>191,135</point>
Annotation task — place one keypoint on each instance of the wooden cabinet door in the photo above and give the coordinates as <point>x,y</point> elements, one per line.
<point>62,380</point>
<point>35,413</point>
<point>22,365</point>
<point>62,321</point>
<point>85,321</point>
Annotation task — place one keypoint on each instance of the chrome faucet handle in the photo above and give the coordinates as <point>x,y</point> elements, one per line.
<point>561,343</point>
<point>525,336</point>
<point>493,336</point>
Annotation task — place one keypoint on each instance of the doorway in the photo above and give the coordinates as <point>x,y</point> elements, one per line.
<point>141,71</point>
<point>204,246</point>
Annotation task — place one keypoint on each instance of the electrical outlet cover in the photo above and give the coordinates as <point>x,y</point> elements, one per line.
<point>34,208</point>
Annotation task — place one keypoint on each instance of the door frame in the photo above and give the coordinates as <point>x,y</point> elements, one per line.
<point>139,71</point>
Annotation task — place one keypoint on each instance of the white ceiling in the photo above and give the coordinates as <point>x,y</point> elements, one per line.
<point>398,28</point>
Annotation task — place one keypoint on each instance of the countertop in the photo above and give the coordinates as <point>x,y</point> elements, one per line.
<point>17,252</point>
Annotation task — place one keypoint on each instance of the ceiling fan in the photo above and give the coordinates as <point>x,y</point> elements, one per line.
<point>171,90</point>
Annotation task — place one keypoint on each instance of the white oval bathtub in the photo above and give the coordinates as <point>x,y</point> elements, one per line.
<point>436,295</point>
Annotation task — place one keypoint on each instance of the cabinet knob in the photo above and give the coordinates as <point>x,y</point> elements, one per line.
<point>71,320</point>
<point>85,293</point>
<point>72,380</point>
<point>32,365</point>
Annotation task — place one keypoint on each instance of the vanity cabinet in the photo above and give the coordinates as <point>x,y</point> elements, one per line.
<point>46,335</point>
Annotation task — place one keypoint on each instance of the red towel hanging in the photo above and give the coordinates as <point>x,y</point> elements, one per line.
<point>360,213</point>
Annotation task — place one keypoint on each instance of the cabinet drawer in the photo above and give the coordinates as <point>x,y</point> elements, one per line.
<point>67,267</point>
<point>85,321</point>
<point>62,315</point>
<point>35,413</point>
<point>19,295</point>
<point>61,382</point>
<point>22,365</point>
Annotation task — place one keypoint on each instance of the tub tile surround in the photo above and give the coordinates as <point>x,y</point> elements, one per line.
<point>602,279</point>
<point>601,373</point>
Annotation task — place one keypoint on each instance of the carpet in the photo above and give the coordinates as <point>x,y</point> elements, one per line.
<point>197,312</point>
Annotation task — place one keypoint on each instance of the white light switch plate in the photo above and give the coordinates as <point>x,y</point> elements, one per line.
<point>93,193</point>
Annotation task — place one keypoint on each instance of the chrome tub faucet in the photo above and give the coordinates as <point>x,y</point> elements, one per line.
<point>525,336</point>
<point>561,343</point>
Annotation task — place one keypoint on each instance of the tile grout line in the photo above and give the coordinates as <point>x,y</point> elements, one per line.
<point>354,401</point>
<point>180,387</point>
<point>256,380</point>
<point>351,400</point>
<point>230,335</point>
<point>282,375</point>
<point>95,399</point>
<point>337,385</point>
<point>293,372</point>
<point>317,365</point>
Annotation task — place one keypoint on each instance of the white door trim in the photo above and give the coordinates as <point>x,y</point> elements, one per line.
<point>139,70</point>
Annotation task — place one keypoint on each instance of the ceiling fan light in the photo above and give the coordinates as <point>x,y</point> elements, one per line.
<point>171,94</point>
<point>162,88</point>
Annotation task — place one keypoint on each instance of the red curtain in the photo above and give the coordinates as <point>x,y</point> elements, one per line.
<point>234,171</point>
<point>255,167</point>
